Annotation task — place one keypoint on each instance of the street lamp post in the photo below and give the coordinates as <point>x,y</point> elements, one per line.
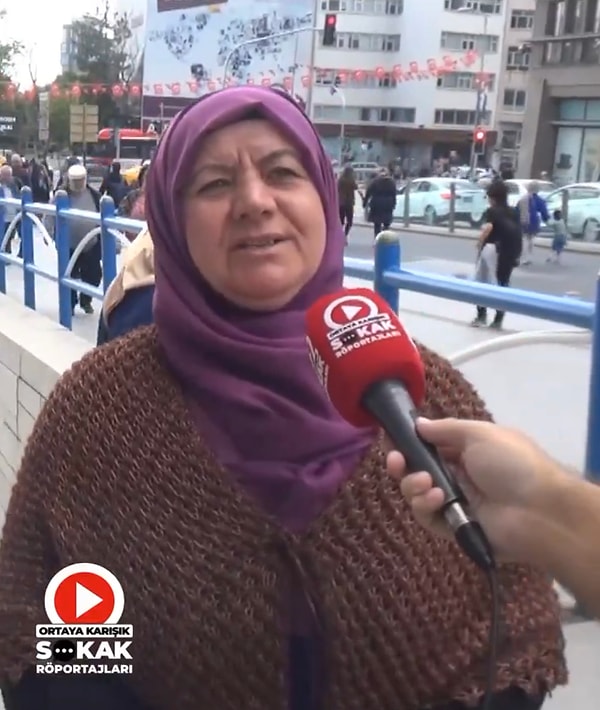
<point>336,90</point>
<point>481,87</point>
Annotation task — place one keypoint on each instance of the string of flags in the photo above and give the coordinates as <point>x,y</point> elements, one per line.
<point>413,71</point>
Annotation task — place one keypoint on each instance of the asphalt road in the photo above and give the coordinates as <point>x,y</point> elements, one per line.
<point>454,256</point>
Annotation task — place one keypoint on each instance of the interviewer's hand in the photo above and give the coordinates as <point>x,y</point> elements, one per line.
<point>505,476</point>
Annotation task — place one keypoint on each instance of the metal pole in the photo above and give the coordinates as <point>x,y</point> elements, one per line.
<point>258,40</point>
<point>592,450</point>
<point>480,95</point>
<point>342,125</point>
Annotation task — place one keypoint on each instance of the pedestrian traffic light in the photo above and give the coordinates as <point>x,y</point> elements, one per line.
<point>479,136</point>
<point>329,29</point>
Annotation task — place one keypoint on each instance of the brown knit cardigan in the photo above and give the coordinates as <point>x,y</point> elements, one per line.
<point>115,473</point>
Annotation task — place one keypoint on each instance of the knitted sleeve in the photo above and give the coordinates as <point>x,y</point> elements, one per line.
<point>448,392</point>
<point>27,557</point>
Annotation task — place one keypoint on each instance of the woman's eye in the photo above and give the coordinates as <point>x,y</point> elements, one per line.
<point>283,172</point>
<point>214,185</point>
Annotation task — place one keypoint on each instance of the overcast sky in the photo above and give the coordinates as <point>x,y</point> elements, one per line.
<point>38,24</point>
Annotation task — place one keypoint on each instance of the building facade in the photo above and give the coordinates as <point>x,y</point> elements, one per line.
<point>376,95</point>
<point>514,79</point>
<point>68,50</point>
<point>422,116</point>
<point>561,132</point>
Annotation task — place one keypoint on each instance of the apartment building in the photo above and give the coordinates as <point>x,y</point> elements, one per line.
<point>513,79</point>
<point>68,50</point>
<point>561,131</point>
<point>419,119</point>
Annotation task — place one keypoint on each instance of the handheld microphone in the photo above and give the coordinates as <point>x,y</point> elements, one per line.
<point>373,375</point>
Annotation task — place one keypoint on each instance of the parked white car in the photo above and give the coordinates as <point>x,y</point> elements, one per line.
<point>583,208</point>
<point>429,201</point>
<point>519,188</point>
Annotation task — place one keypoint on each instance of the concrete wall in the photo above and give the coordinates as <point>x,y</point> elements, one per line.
<point>34,352</point>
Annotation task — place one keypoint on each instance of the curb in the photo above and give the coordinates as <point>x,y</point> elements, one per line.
<point>543,242</point>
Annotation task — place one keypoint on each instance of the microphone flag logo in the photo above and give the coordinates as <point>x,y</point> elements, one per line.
<point>348,309</point>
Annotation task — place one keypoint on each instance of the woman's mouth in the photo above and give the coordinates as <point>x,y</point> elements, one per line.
<point>259,243</point>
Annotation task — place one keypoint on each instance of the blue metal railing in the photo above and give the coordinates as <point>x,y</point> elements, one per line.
<point>106,224</point>
<point>386,273</point>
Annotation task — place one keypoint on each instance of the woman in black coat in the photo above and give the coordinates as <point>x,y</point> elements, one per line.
<point>380,201</point>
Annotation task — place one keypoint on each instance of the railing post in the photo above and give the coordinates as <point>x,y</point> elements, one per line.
<point>3,264</point>
<point>63,249</point>
<point>407,189</point>
<point>387,256</point>
<point>592,452</point>
<point>109,245</point>
<point>452,213</point>
<point>27,249</point>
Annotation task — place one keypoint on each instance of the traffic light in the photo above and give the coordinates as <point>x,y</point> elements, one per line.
<point>479,136</point>
<point>329,30</point>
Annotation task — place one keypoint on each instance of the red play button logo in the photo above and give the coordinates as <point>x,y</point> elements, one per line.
<point>347,309</point>
<point>84,593</point>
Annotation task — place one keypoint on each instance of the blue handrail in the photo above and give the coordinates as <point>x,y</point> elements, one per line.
<point>386,274</point>
<point>104,222</point>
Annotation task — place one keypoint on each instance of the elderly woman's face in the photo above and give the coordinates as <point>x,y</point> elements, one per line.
<point>254,221</point>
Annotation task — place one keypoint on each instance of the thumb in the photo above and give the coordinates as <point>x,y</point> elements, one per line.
<point>448,433</point>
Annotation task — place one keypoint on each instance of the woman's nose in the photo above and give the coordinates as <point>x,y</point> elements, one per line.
<point>253,198</point>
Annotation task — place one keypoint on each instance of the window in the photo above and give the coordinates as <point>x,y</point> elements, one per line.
<point>518,58</point>
<point>489,7</point>
<point>459,117</point>
<point>366,7</point>
<point>514,99</point>
<point>361,114</point>
<point>522,19</point>
<point>457,42</point>
<point>366,42</point>
<point>511,138</point>
<point>592,20</point>
<point>577,51</point>
<point>327,78</point>
<point>464,81</point>
<point>566,17</point>
<point>388,115</point>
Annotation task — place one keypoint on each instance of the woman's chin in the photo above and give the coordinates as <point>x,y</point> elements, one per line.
<point>267,290</point>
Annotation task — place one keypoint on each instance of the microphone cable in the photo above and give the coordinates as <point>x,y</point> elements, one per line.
<point>473,541</point>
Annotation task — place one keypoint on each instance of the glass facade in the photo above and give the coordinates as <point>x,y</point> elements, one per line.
<point>577,154</point>
<point>576,26</point>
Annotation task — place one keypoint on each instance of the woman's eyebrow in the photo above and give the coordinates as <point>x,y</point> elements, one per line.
<point>219,166</point>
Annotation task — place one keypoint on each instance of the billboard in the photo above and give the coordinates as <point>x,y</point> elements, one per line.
<point>189,42</point>
<point>8,125</point>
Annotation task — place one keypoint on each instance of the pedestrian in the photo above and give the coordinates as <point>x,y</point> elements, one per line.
<point>347,189</point>
<point>380,201</point>
<point>559,241</point>
<point>8,190</point>
<point>499,248</point>
<point>87,267</point>
<point>532,210</point>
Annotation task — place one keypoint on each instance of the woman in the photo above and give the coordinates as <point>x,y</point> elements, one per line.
<point>499,247</point>
<point>128,302</point>
<point>347,189</point>
<point>380,201</point>
<point>268,560</point>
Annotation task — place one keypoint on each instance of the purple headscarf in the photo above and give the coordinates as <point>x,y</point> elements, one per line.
<point>250,386</point>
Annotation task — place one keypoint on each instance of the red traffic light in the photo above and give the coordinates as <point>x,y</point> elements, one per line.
<point>480,134</point>
<point>330,20</point>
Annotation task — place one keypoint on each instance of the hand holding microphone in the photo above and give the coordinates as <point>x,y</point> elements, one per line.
<point>373,374</point>
<point>505,476</point>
